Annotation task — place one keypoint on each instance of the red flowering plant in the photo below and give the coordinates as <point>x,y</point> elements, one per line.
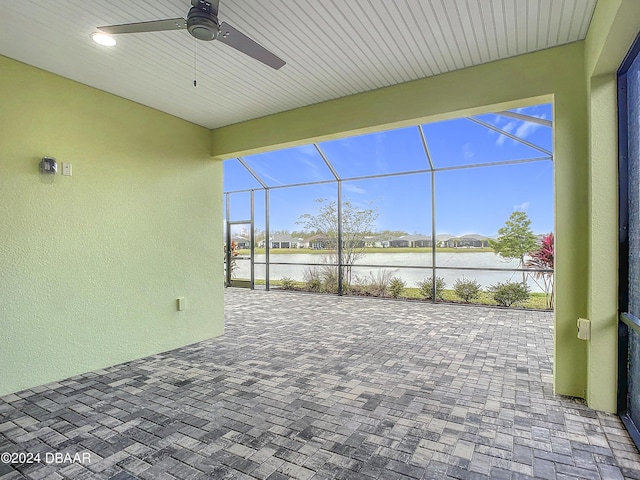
<point>542,260</point>
<point>234,253</point>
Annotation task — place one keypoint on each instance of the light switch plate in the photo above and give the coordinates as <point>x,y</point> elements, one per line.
<point>180,303</point>
<point>66,169</point>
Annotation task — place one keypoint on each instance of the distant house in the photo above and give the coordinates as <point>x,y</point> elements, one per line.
<point>399,242</point>
<point>473,241</point>
<point>284,240</point>
<point>242,242</point>
<point>354,243</point>
<point>416,240</point>
<point>317,242</point>
<point>444,240</point>
<point>376,241</point>
<point>540,236</point>
<point>464,241</point>
<point>420,241</point>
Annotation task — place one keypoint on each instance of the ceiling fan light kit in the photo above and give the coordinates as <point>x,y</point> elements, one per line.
<point>202,23</point>
<point>103,39</point>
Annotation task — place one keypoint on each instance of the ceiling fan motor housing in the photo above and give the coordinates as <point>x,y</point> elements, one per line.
<point>202,24</point>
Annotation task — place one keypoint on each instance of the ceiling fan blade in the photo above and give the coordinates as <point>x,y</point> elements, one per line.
<point>143,27</point>
<point>238,40</point>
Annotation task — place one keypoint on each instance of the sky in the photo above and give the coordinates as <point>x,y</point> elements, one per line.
<point>468,200</point>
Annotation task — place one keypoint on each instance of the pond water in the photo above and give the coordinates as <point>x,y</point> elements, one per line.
<point>408,266</point>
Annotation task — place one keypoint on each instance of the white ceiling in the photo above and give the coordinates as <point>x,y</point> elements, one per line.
<point>333,48</point>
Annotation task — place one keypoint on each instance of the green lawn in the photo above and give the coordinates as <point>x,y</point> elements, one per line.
<point>536,301</point>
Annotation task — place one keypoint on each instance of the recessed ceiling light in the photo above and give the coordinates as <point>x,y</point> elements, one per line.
<point>103,39</point>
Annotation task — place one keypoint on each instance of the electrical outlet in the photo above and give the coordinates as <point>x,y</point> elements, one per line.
<point>584,329</point>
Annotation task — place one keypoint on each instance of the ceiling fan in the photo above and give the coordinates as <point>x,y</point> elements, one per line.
<point>202,23</point>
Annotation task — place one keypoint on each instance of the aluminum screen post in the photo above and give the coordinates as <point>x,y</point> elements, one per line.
<point>267,245</point>
<point>340,266</point>
<point>228,249</point>
<point>433,213</point>
<point>253,243</point>
<point>433,237</point>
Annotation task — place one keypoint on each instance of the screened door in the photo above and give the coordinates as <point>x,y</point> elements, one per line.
<point>239,240</point>
<point>629,326</point>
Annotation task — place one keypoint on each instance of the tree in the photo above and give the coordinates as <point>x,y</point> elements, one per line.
<point>543,259</point>
<point>515,239</point>
<point>259,236</point>
<point>357,223</point>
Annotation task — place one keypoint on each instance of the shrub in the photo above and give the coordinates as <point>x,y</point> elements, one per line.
<point>329,279</point>
<point>509,293</point>
<point>314,285</point>
<point>287,283</point>
<point>358,286</point>
<point>379,283</point>
<point>326,275</point>
<point>426,288</point>
<point>357,290</point>
<point>396,287</point>
<point>467,290</point>
<point>312,280</point>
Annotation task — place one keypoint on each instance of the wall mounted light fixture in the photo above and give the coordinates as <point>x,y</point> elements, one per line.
<point>48,165</point>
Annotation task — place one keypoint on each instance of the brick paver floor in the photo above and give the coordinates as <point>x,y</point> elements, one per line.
<point>322,387</point>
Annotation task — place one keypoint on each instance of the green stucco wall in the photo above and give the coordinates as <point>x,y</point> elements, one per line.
<point>603,245</point>
<point>91,265</point>
<point>555,74</point>
<point>613,29</point>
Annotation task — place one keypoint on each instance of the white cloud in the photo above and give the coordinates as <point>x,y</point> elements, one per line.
<point>522,207</point>
<point>467,152</point>
<point>380,145</point>
<point>353,188</point>
<point>507,128</point>
<point>499,120</point>
<point>523,130</point>
<point>265,176</point>
<point>526,129</point>
<point>308,150</point>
